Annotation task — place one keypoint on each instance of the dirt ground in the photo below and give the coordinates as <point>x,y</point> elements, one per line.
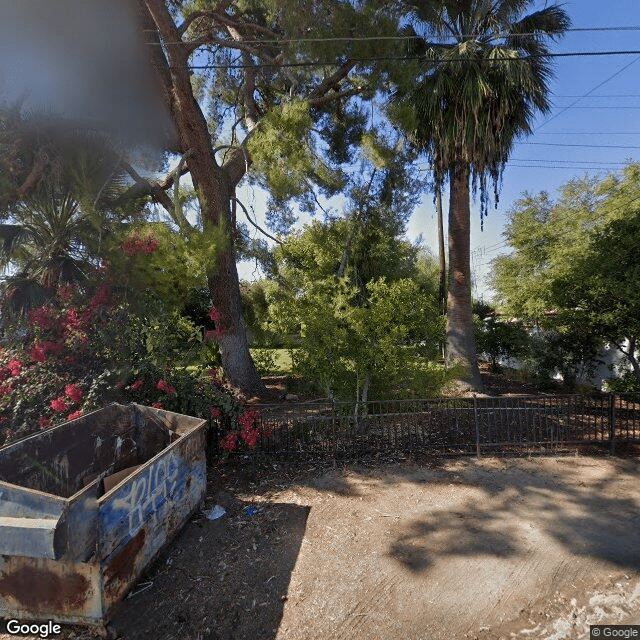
<point>536,547</point>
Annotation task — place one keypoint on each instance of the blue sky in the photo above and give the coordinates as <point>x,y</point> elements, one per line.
<point>608,116</point>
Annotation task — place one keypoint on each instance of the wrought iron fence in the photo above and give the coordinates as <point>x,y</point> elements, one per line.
<point>449,426</point>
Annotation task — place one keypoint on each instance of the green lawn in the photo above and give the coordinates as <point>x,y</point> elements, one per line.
<point>272,361</point>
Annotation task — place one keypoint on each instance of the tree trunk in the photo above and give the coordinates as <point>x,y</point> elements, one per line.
<point>442,288</point>
<point>215,187</point>
<point>461,344</point>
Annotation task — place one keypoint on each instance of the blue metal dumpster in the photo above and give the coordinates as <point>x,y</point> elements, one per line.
<point>86,506</point>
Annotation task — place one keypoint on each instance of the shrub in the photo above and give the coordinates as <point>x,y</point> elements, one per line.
<point>74,355</point>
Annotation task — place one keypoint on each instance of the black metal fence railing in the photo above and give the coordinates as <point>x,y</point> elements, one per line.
<point>451,426</point>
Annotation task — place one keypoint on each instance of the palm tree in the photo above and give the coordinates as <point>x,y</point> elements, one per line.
<point>52,234</point>
<point>474,92</point>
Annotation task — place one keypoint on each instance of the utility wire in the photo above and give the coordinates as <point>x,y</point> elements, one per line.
<point>325,63</point>
<point>611,77</point>
<point>496,36</point>
<point>590,146</point>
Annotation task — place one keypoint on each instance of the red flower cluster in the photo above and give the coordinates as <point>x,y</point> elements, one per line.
<point>40,349</point>
<point>137,384</point>
<point>59,404</point>
<point>43,423</point>
<point>230,441</point>
<point>215,413</point>
<point>5,389</point>
<point>163,386</point>
<point>74,415</point>
<point>248,418</point>
<point>14,367</point>
<point>41,317</point>
<point>136,244</point>
<point>73,392</point>
<point>156,405</point>
<point>214,314</point>
<point>248,433</point>
<point>100,297</point>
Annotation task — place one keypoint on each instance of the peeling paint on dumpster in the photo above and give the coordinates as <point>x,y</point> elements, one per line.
<point>88,546</point>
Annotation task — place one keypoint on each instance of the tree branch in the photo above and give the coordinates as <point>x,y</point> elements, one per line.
<point>260,229</point>
<point>332,81</point>
<point>330,97</point>
<point>141,188</point>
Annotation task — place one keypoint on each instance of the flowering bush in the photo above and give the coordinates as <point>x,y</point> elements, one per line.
<point>249,432</point>
<point>137,244</point>
<point>80,354</point>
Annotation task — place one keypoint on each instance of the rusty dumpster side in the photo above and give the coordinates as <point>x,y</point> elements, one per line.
<point>71,558</point>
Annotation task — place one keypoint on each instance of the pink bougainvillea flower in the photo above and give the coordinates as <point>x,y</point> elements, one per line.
<point>73,392</point>
<point>157,405</point>
<point>229,442</point>
<point>5,389</point>
<point>41,317</point>
<point>248,418</point>
<point>43,423</point>
<point>250,436</point>
<point>59,404</point>
<point>137,384</point>
<point>38,353</point>
<point>215,412</point>
<point>54,347</point>
<point>214,314</point>
<point>14,367</point>
<point>163,386</point>
<point>74,415</point>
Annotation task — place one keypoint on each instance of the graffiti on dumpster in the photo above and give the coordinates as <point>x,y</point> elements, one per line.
<point>148,492</point>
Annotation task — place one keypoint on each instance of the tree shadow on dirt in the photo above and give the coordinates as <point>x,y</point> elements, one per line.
<point>225,579</point>
<point>578,515</point>
<point>586,516</point>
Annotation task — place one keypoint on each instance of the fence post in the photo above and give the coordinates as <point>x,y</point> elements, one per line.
<point>612,423</point>
<point>477,423</point>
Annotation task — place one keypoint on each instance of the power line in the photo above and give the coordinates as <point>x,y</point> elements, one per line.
<point>622,164</point>
<point>589,133</point>
<point>601,106</point>
<point>326,63</point>
<point>590,146</point>
<point>496,36</point>
<point>611,77</point>
<point>607,95</point>
<point>569,168</point>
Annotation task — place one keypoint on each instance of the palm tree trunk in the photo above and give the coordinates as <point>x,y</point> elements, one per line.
<point>461,344</point>
<point>442,287</point>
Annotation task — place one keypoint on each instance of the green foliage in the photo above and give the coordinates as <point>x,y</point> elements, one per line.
<point>264,360</point>
<point>382,347</point>
<point>277,152</point>
<point>567,352</point>
<point>77,355</point>
<point>500,339</point>
<point>577,256</point>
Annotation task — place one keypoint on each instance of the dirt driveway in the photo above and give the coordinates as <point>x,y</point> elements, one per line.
<point>497,548</point>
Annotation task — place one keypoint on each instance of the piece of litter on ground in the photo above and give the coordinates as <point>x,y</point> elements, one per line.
<point>144,586</point>
<point>215,512</point>
<point>251,511</point>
